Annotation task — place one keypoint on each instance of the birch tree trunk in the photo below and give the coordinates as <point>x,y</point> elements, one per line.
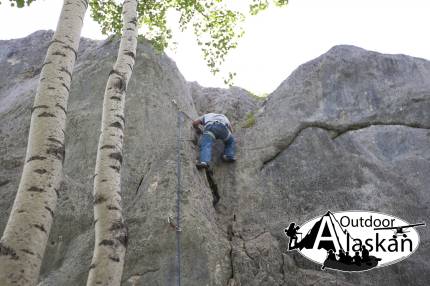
<point>24,239</point>
<point>110,229</point>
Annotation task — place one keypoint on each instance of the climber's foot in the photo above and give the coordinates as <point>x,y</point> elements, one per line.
<point>202,165</point>
<point>229,159</point>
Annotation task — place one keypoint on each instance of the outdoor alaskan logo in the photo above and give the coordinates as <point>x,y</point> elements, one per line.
<point>354,240</point>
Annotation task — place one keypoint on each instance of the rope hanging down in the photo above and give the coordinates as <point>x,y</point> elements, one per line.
<point>178,197</point>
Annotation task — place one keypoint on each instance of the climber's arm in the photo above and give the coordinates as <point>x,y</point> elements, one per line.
<point>230,127</point>
<point>197,122</point>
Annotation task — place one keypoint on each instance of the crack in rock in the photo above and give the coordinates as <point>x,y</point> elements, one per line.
<point>231,281</point>
<point>337,131</point>
<point>213,186</point>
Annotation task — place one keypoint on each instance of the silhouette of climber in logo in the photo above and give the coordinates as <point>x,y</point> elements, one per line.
<point>291,232</point>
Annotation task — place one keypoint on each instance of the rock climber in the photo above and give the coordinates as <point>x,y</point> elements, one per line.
<point>215,126</point>
<point>291,232</point>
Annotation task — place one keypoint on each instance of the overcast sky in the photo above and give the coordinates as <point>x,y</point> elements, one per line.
<point>278,40</point>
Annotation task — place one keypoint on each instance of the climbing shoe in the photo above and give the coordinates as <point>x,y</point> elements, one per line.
<point>202,165</point>
<point>228,158</point>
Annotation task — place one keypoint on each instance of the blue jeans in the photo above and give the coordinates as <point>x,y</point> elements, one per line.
<point>220,131</point>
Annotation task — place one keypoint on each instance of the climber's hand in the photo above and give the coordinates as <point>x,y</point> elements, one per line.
<point>198,130</point>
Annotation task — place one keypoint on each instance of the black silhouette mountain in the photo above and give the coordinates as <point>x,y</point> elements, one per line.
<point>308,240</point>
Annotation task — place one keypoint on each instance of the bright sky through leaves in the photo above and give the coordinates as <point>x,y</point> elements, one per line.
<point>276,41</point>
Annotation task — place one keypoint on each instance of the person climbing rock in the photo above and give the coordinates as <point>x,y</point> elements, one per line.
<point>215,126</point>
<point>291,232</point>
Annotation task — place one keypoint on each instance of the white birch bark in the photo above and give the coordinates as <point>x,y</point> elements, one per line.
<point>110,229</point>
<point>23,243</point>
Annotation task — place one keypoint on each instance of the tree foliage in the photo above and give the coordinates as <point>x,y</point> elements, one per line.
<point>260,5</point>
<point>20,3</point>
<point>217,27</point>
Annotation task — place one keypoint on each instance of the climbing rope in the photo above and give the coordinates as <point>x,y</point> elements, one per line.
<point>178,203</point>
<point>180,110</point>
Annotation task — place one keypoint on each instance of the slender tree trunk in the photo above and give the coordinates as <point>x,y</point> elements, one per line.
<point>110,229</point>
<point>24,239</point>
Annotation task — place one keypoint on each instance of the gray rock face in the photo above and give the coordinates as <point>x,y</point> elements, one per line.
<point>348,130</point>
<point>235,102</point>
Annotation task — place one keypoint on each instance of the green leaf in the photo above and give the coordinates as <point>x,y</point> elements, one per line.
<point>217,28</point>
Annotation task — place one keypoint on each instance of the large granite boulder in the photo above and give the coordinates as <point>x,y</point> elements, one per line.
<point>348,130</point>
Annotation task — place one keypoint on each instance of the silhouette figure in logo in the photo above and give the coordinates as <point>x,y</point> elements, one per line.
<point>342,256</point>
<point>348,259</point>
<point>365,253</point>
<point>291,232</point>
<point>348,263</point>
<point>331,255</point>
<point>357,258</point>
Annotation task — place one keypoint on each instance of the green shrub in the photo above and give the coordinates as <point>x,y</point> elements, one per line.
<point>249,121</point>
